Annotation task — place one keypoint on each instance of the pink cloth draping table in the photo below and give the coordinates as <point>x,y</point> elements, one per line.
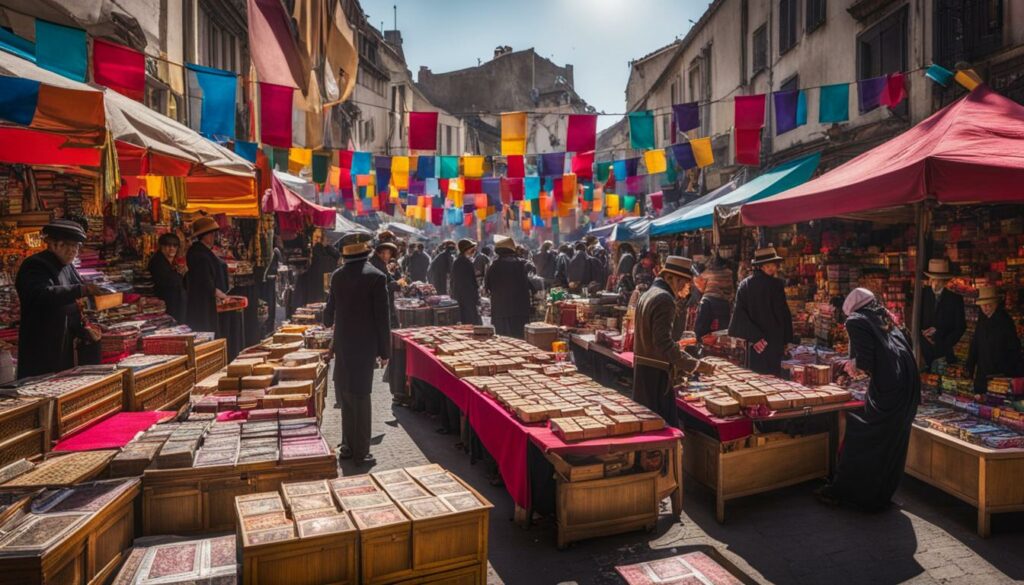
<point>504,436</point>
<point>728,429</point>
<point>113,432</point>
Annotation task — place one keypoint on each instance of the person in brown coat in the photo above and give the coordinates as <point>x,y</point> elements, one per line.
<point>657,358</point>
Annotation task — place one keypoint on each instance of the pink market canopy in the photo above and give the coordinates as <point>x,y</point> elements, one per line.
<point>284,199</point>
<point>971,151</point>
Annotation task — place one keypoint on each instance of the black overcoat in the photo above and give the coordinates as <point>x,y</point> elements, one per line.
<point>579,269</point>
<point>995,349</point>
<point>168,286</point>
<point>761,312</point>
<point>206,274</point>
<point>440,270</point>
<point>509,287</point>
<point>392,285</point>
<point>947,317</point>
<point>466,291</point>
<point>417,266</point>
<point>50,317</point>
<point>357,307</point>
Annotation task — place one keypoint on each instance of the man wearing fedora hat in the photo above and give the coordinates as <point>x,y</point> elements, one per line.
<point>508,283</point>
<point>440,269</point>
<point>464,286</point>
<point>942,314</point>
<point>658,361</point>
<point>48,287</point>
<point>357,308</point>
<point>995,347</point>
<point>207,278</point>
<point>761,315</point>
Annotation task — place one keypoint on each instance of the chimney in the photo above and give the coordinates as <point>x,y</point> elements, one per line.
<point>393,38</point>
<point>501,50</point>
<point>424,73</point>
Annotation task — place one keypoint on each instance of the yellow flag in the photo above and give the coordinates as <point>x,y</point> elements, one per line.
<point>155,186</point>
<point>513,133</point>
<point>299,158</point>
<point>611,204</point>
<point>568,189</point>
<point>473,166</point>
<point>655,161</point>
<point>968,78</point>
<point>702,152</point>
<point>393,193</point>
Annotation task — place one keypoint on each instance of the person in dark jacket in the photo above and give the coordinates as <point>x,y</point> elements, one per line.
<point>323,261</point>
<point>875,446</point>
<point>598,265</point>
<point>627,260</point>
<point>509,287</point>
<point>481,261</point>
<point>382,256</point>
<point>562,265</point>
<point>464,286</point>
<point>168,276</point>
<point>942,315</point>
<point>417,264</point>
<point>761,315</point>
<point>657,357</point>
<point>441,267</point>
<point>207,278</point>
<point>48,290</point>
<point>578,271</point>
<point>357,308</point>
<point>995,347</point>
<point>546,260</point>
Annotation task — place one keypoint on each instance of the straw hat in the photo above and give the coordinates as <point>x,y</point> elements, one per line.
<point>678,266</point>
<point>938,268</point>
<point>766,255</point>
<point>988,294</point>
<point>505,244</point>
<point>466,244</point>
<point>355,246</point>
<point>204,225</point>
<point>386,246</point>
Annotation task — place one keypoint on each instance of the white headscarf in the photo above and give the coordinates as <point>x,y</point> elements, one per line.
<point>857,298</point>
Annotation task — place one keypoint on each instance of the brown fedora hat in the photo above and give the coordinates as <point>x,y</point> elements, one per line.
<point>678,266</point>
<point>766,255</point>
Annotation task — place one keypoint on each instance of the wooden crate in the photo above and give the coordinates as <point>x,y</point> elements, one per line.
<point>754,470</point>
<point>197,500</point>
<point>327,559</point>
<point>985,478</point>
<point>95,399</point>
<point>385,553</point>
<point>24,429</point>
<point>89,555</point>
<point>210,357</point>
<point>148,387</point>
<point>600,507</point>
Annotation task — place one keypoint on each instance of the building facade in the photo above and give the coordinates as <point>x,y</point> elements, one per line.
<point>746,47</point>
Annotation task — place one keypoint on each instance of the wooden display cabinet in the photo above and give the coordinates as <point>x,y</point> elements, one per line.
<point>988,479</point>
<point>24,429</point>
<point>160,386</point>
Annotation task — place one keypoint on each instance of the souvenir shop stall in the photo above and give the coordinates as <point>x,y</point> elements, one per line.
<point>612,460</point>
<point>964,217</point>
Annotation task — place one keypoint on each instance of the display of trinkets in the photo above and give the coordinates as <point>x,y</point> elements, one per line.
<point>183,562</point>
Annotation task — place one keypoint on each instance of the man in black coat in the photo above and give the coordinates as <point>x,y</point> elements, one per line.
<point>207,278</point>
<point>578,271</point>
<point>509,287</point>
<point>545,260</point>
<point>48,287</point>
<point>761,315</point>
<point>168,280</point>
<point>323,260</point>
<point>440,269</point>
<point>383,254</point>
<point>995,348</point>
<point>464,286</point>
<point>417,264</point>
<point>562,265</point>
<point>942,315</point>
<point>357,308</point>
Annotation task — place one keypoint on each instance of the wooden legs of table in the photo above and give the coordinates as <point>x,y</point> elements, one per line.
<point>677,469</point>
<point>521,516</point>
<point>984,518</point>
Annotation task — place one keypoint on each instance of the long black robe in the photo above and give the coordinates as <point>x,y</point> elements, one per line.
<point>440,270</point>
<point>206,274</point>
<point>168,286</point>
<point>324,260</point>
<point>760,313</point>
<point>579,269</point>
<point>875,448</point>
<point>417,266</point>
<point>465,291</point>
<point>392,286</point>
<point>947,317</point>
<point>50,318</point>
<point>509,287</point>
<point>995,349</point>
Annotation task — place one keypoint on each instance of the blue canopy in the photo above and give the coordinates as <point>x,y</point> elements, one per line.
<point>771,182</point>
<point>630,228</point>
<point>661,225</point>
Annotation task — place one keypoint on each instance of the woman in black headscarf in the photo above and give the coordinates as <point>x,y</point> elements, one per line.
<point>875,447</point>
<point>168,276</point>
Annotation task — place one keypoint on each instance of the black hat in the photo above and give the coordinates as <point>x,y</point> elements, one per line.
<point>765,256</point>
<point>64,230</point>
<point>386,246</point>
<point>466,244</point>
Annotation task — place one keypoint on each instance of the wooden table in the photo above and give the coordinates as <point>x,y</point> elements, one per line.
<point>988,479</point>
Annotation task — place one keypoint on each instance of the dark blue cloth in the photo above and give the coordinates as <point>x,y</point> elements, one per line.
<point>18,99</point>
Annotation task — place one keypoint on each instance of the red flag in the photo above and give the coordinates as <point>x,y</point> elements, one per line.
<point>345,159</point>
<point>515,188</point>
<point>276,115</point>
<point>748,146</point>
<point>474,185</point>
<point>120,68</point>
<point>436,215</point>
<point>582,133</point>
<point>583,165</point>
<point>895,90</point>
<point>423,130</point>
<point>516,167</point>
<point>750,111</point>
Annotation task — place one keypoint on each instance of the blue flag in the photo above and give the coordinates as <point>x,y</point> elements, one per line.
<point>61,49</point>
<point>217,116</point>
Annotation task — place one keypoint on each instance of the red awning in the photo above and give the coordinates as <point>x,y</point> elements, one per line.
<point>971,151</point>
<point>32,147</point>
<point>281,199</point>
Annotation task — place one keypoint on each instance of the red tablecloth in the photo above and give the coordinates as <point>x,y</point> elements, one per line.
<point>727,429</point>
<point>503,435</point>
<point>113,432</point>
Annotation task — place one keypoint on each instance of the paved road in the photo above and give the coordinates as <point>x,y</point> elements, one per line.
<point>781,537</point>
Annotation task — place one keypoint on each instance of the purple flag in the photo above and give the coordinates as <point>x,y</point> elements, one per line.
<point>687,116</point>
<point>552,164</point>
<point>683,153</point>
<point>417,187</point>
<point>632,166</point>
<point>785,110</point>
<point>869,92</point>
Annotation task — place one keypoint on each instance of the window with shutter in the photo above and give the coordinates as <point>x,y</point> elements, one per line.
<point>787,25</point>
<point>815,14</point>
<point>760,47</point>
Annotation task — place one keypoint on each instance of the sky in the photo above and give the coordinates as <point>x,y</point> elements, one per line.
<point>598,37</point>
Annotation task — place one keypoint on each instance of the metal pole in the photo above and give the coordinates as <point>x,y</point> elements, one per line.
<point>915,319</point>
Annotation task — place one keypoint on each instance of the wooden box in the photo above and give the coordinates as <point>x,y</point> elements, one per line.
<point>194,500</point>
<point>210,357</point>
<point>541,335</point>
<point>24,429</point>
<point>204,358</point>
<point>587,509</point>
<point>147,387</point>
<point>385,544</point>
<point>450,540</point>
<point>446,315</point>
<point>88,554</point>
<point>79,401</point>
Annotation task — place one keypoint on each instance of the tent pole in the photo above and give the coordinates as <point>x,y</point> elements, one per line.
<point>922,225</point>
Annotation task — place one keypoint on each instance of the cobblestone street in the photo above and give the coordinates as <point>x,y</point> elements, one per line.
<point>779,537</point>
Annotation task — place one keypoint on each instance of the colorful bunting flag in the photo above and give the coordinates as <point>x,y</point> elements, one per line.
<point>702,152</point>
<point>449,167</point>
<point>869,93</point>
<point>641,130</point>
<point>15,45</point>
<point>895,90</point>
<point>581,135</point>
<point>400,172</point>
<point>619,168</point>
<point>628,203</point>
<point>686,116</point>
<point>531,185</point>
<point>345,159</point>
<point>569,188</point>
<point>18,99</point>
<point>426,167</point>
<point>382,166</point>
<point>362,163</point>
<point>123,70</point>
<point>834,103</point>
<point>473,166</point>
<point>635,184</point>
<point>749,111</point>
<point>552,164</point>
<point>423,130</point>
<point>516,166</point>
<point>655,162</point>
<point>967,78</point>
<point>321,160</point>
<point>276,116</point>
<point>217,113</point>
<point>298,159</point>
<point>604,170</point>
<point>513,133</point>
<point>583,165</point>
<point>748,146</point>
<point>61,49</point>
<point>683,153</point>
<point>246,150</point>
<point>790,110</point>
<point>632,166</point>
<point>939,74</point>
